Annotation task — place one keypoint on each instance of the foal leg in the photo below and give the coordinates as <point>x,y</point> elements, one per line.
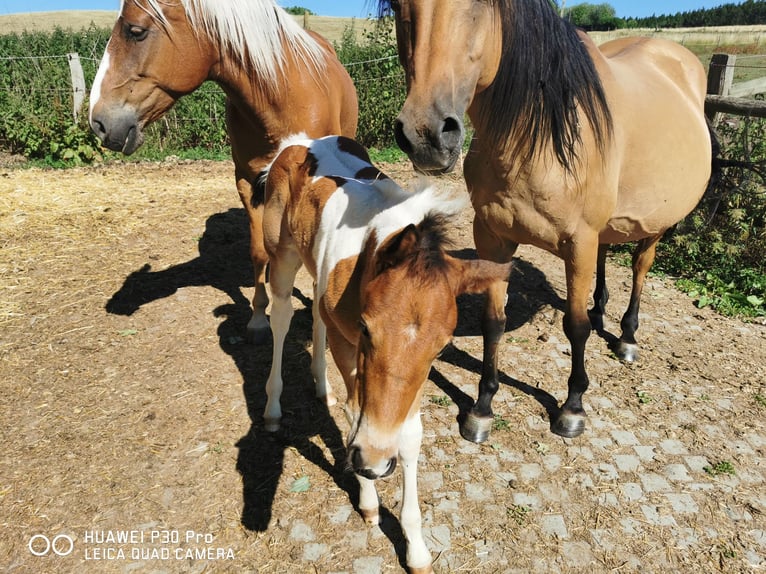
<point>283,271</point>
<point>318,355</point>
<point>579,263</point>
<point>643,257</point>
<point>251,195</point>
<point>601,293</point>
<point>418,556</point>
<point>478,421</point>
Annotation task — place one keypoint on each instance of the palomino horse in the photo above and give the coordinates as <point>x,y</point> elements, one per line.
<point>279,80</point>
<point>575,147</point>
<point>384,296</point>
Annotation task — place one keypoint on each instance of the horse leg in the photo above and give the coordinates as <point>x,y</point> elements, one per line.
<point>579,263</point>
<point>601,293</point>
<point>478,421</point>
<point>252,194</point>
<point>318,355</point>
<point>418,556</point>
<point>643,257</point>
<point>283,271</point>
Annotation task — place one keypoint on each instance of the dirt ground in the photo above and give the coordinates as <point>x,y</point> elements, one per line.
<point>133,440</point>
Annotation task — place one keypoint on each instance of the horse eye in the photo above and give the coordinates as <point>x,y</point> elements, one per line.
<point>137,33</point>
<point>363,328</point>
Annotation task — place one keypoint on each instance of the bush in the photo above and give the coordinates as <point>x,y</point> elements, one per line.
<point>719,247</point>
<point>374,66</point>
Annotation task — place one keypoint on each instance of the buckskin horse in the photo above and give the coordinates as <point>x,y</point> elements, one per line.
<point>384,296</point>
<point>278,79</point>
<point>575,147</point>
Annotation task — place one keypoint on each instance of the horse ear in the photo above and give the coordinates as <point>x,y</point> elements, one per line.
<point>477,275</point>
<point>397,248</point>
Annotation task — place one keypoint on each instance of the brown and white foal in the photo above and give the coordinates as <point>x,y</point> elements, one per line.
<point>384,297</point>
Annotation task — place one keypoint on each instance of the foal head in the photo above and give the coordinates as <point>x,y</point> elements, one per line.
<point>409,313</point>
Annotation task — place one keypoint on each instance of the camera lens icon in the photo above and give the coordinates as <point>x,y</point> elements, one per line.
<point>60,545</point>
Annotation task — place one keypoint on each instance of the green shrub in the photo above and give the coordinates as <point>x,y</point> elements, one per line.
<point>374,66</point>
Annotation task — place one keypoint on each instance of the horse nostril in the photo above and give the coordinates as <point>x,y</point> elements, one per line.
<point>98,128</point>
<point>401,139</point>
<point>390,469</point>
<point>355,458</point>
<point>451,124</point>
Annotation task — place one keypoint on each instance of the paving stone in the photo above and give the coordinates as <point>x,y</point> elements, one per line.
<point>632,491</point>
<point>553,525</point>
<point>682,502</point>
<point>627,462</point>
<point>578,554</point>
<point>645,453</point>
<point>696,463</point>
<point>624,438</point>
<point>526,500</point>
<point>529,472</point>
<point>551,463</point>
<point>438,538</point>
<point>677,473</point>
<point>368,565</point>
<point>478,491</point>
<point>601,443</point>
<point>341,515</point>
<point>314,551</point>
<point>673,446</point>
<point>759,537</point>
<point>302,532</point>
<point>605,471</point>
<point>631,526</point>
<point>602,539</point>
<point>654,483</point>
<point>653,516</point>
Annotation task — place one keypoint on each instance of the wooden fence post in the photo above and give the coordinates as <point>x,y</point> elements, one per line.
<point>720,77</point>
<point>78,83</point>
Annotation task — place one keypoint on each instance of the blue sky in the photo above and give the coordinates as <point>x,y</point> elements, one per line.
<point>360,8</point>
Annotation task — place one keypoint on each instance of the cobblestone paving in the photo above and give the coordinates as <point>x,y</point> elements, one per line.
<point>147,417</point>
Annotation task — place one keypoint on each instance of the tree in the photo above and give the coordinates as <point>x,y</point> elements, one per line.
<point>593,16</point>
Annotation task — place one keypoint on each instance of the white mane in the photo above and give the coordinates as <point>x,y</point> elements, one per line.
<point>254,31</point>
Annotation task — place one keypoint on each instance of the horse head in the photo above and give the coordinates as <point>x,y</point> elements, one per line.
<point>409,313</point>
<point>449,51</point>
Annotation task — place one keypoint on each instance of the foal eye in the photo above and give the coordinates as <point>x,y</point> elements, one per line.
<point>363,328</point>
<point>137,33</point>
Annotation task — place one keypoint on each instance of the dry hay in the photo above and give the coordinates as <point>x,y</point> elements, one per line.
<point>131,401</point>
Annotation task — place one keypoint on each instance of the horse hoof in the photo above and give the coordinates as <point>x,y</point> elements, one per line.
<point>271,425</point>
<point>475,428</point>
<point>569,425</point>
<point>627,352</point>
<point>328,400</point>
<point>422,570</point>
<point>371,516</point>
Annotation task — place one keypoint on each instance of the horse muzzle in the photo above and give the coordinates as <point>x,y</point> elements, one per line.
<point>358,464</point>
<point>118,131</point>
<point>434,146</point>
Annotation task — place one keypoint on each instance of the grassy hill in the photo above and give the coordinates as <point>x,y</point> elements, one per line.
<point>331,28</point>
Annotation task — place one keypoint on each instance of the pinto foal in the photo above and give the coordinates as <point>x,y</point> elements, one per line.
<point>384,298</point>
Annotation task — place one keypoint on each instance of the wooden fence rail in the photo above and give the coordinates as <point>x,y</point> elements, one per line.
<point>723,96</point>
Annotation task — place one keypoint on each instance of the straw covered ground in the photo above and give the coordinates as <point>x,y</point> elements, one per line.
<point>131,408</point>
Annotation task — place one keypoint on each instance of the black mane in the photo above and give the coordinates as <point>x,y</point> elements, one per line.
<point>545,75</point>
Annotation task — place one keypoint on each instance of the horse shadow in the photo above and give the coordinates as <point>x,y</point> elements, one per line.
<point>224,264</point>
<point>529,292</point>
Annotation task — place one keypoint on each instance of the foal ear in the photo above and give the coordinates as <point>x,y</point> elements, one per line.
<point>477,275</point>
<point>397,248</point>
